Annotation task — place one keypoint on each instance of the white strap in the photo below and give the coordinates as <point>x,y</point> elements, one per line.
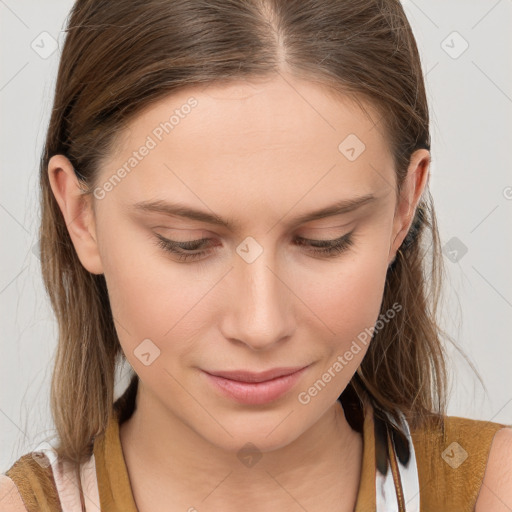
<point>67,483</point>
<point>385,491</point>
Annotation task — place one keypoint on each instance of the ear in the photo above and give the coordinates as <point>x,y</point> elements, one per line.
<point>77,211</point>
<point>412,190</point>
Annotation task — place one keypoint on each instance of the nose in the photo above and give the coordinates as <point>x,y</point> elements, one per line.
<point>259,311</point>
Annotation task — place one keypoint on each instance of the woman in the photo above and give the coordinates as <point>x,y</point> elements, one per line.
<point>235,199</point>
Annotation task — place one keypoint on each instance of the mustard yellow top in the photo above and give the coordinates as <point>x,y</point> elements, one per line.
<point>449,468</point>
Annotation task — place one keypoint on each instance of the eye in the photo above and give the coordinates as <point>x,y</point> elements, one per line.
<point>178,248</point>
<point>190,251</point>
<point>328,247</point>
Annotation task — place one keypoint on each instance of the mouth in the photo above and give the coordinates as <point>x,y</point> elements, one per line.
<point>247,376</point>
<point>255,388</point>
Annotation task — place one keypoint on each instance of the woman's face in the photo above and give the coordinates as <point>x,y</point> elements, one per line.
<point>254,161</point>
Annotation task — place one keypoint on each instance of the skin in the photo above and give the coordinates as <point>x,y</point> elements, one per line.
<point>496,490</point>
<point>261,154</point>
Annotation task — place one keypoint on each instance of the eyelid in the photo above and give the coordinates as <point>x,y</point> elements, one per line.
<point>334,229</point>
<point>327,248</point>
<point>326,240</point>
<point>199,234</point>
<point>196,232</point>
<point>178,243</point>
<point>207,240</point>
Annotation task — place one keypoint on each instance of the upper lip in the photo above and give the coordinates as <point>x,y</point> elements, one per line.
<point>245,376</point>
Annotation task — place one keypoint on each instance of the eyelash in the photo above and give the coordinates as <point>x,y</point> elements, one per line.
<point>326,248</point>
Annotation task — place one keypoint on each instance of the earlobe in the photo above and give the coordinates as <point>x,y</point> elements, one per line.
<point>77,211</point>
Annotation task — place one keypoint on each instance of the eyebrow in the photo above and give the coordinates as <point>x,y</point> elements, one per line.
<point>181,210</point>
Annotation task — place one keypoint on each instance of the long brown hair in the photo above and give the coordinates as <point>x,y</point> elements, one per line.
<point>119,57</point>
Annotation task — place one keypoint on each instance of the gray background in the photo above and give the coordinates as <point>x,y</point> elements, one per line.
<point>470,96</point>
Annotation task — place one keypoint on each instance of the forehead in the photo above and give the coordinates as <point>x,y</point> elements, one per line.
<point>279,138</point>
<point>256,111</point>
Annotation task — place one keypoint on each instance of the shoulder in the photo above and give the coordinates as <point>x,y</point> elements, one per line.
<point>452,459</point>
<point>496,491</point>
<point>30,484</point>
<point>10,499</point>
<point>41,480</point>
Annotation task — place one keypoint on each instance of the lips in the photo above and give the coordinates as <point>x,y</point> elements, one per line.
<point>245,376</point>
<point>255,388</point>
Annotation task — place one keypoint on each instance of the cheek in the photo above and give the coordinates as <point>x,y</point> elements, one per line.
<point>152,300</point>
<point>347,297</point>
<point>149,295</point>
<point>356,285</point>
<point>156,320</point>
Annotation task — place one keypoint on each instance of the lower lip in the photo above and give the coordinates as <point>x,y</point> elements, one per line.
<point>255,393</point>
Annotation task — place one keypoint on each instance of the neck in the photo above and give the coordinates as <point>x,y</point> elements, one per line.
<point>169,462</point>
